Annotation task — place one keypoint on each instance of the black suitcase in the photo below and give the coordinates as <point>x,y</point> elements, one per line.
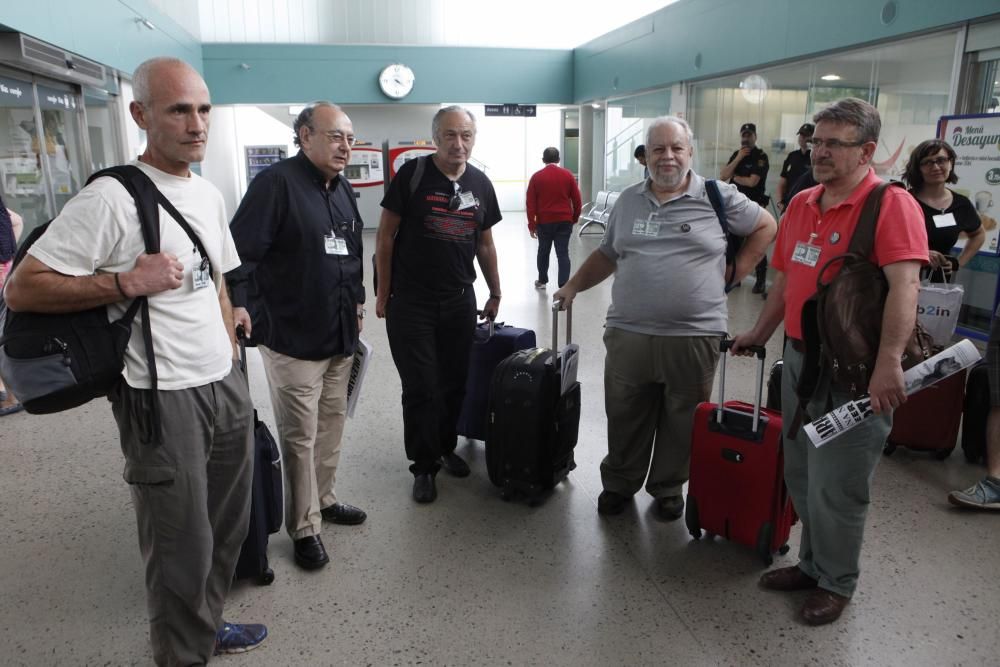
<point>492,344</point>
<point>774,386</point>
<point>974,414</point>
<point>266,502</point>
<point>533,424</point>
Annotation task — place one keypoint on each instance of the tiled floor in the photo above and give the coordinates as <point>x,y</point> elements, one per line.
<point>471,580</point>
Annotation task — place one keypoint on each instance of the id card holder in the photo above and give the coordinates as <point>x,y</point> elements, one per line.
<point>944,220</point>
<point>466,200</point>
<point>806,253</point>
<point>201,275</point>
<point>648,227</point>
<point>334,245</point>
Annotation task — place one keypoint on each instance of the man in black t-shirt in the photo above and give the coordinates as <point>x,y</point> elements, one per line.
<point>747,169</point>
<point>797,163</point>
<point>429,234</point>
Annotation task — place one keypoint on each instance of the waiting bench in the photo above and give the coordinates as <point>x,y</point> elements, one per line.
<point>598,211</point>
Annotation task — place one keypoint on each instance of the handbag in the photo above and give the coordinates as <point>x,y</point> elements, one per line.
<point>938,308</point>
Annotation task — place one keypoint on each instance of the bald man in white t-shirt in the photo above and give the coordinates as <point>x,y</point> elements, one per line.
<point>190,475</point>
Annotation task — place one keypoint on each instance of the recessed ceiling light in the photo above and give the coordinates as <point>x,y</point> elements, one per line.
<point>830,77</point>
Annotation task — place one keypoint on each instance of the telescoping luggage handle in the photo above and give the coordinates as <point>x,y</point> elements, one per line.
<point>556,307</point>
<point>759,352</point>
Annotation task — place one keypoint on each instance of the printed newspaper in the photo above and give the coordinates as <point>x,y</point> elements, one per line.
<point>362,357</point>
<point>947,362</point>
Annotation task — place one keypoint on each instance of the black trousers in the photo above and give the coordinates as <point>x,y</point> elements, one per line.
<point>430,339</point>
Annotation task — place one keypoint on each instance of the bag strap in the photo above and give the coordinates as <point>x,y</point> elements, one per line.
<point>863,239</point>
<point>715,197</point>
<point>418,174</point>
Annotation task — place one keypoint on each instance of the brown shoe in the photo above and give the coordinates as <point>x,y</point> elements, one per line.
<point>823,606</point>
<point>787,579</point>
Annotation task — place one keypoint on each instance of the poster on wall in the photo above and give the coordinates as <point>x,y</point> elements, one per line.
<point>976,140</point>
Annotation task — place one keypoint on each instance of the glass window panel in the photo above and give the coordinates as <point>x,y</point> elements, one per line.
<point>101,129</point>
<point>62,120</point>
<point>627,119</point>
<point>22,176</point>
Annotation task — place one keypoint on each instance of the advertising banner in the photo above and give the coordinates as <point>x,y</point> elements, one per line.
<point>976,140</point>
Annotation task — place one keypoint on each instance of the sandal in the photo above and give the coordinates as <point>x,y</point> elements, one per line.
<point>11,409</point>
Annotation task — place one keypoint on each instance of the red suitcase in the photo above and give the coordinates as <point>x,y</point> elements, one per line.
<point>930,418</point>
<point>737,486</point>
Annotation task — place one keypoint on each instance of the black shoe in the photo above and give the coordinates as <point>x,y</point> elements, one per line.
<point>610,503</point>
<point>759,287</point>
<point>455,465</point>
<point>344,514</point>
<point>424,490</point>
<point>670,507</point>
<point>309,553</point>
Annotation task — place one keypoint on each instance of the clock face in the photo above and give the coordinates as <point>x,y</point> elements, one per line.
<point>396,81</point>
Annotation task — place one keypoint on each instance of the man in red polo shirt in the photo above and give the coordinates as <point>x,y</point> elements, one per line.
<point>553,204</point>
<point>830,486</point>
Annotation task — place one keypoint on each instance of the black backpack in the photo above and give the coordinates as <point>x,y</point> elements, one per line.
<point>54,362</point>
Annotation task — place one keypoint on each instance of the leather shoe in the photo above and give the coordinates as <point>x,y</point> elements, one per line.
<point>670,507</point>
<point>309,553</point>
<point>787,579</point>
<point>455,465</point>
<point>610,503</point>
<point>823,606</point>
<point>424,490</point>
<point>344,514</point>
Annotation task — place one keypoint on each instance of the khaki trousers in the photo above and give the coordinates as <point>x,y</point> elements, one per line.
<point>652,385</point>
<point>310,406</point>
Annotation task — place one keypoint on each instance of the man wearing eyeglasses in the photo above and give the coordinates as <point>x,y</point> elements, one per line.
<point>298,232</point>
<point>436,219</point>
<point>830,486</point>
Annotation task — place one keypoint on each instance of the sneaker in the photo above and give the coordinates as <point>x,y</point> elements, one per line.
<point>239,637</point>
<point>984,495</point>
<point>610,503</point>
<point>540,285</point>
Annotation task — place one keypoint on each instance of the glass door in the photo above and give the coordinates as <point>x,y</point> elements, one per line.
<point>22,175</point>
<point>64,147</point>
<point>102,129</point>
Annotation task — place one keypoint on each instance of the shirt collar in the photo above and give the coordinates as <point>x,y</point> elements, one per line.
<point>857,195</point>
<point>696,185</point>
<point>314,173</point>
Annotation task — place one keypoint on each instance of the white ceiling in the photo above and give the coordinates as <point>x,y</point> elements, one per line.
<point>558,24</point>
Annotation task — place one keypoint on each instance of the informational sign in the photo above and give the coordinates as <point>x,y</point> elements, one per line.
<point>517,110</point>
<point>976,140</point>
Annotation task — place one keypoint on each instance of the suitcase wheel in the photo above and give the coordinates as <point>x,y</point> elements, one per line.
<point>942,454</point>
<point>888,449</point>
<point>266,577</point>
<point>691,518</point>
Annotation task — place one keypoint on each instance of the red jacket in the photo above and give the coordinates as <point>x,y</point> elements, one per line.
<point>553,196</point>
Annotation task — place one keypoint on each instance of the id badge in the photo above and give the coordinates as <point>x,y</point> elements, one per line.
<point>201,275</point>
<point>335,245</point>
<point>806,253</point>
<point>646,227</point>
<point>944,220</point>
<point>466,200</point>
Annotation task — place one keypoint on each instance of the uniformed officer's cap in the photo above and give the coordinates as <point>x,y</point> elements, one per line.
<point>748,127</point>
<point>806,130</point>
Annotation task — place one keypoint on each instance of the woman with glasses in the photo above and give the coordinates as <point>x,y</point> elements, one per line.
<point>946,213</point>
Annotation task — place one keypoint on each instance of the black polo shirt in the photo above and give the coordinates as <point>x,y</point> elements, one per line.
<point>304,299</point>
<point>796,164</point>
<point>435,247</point>
<point>754,163</point>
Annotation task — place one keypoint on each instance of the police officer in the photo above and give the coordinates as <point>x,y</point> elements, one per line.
<point>796,164</point>
<point>747,170</point>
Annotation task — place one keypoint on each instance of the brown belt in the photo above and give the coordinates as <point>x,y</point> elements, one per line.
<point>797,345</point>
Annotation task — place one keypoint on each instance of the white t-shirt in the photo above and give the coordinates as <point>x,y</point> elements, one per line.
<point>98,232</point>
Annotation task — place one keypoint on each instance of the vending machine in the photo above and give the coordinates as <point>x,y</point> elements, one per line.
<point>366,174</point>
<point>402,150</point>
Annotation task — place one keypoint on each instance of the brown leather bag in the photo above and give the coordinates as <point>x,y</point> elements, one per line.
<point>849,309</point>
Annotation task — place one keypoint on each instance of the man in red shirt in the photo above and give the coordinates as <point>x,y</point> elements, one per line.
<point>553,204</point>
<point>830,486</point>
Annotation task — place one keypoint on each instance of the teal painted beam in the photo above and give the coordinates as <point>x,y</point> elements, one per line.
<point>288,73</point>
<point>103,30</point>
<point>697,39</point>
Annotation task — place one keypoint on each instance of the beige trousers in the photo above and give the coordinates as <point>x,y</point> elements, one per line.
<point>310,406</point>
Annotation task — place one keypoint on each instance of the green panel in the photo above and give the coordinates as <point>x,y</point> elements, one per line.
<point>696,39</point>
<point>103,30</point>
<point>287,73</point>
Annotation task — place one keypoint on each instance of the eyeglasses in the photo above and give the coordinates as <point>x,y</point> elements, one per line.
<point>934,162</point>
<point>338,137</point>
<point>456,199</point>
<point>832,144</point>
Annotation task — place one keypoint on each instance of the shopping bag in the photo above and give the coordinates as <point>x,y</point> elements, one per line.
<point>937,309</point>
